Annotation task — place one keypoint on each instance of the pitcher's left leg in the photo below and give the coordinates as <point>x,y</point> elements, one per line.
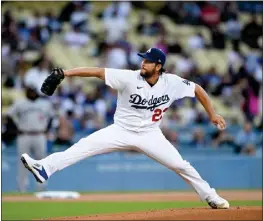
<point>156,146</point>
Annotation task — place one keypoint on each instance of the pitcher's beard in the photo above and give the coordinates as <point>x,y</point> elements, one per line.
<point>146,75</point>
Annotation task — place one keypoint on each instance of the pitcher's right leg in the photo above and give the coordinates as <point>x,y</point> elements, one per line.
<point>156,146</point>
<point>109,139</point>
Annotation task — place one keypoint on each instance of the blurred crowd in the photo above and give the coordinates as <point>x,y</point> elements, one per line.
<point>84,112</point>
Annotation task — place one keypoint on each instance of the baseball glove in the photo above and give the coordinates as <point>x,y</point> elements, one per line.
<point>52,81</point>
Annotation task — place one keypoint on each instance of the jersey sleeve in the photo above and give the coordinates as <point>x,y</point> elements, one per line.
<point>12,111</point>
<point>48,108</point>
<point>117,78</point>
<point>183,88</point>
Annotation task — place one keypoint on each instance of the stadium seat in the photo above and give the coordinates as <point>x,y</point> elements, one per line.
<point>202,59</point>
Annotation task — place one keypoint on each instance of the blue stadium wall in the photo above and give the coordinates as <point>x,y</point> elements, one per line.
<point>127,172</point>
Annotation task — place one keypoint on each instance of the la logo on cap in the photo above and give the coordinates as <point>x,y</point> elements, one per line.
<point>149,51</point>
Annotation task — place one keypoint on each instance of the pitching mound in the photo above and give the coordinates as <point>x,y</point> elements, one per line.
<point>235,213</point>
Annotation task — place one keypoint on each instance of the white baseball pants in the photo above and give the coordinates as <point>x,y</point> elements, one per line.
<point>116,138</point>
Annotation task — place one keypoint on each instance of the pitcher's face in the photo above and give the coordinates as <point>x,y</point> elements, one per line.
<point>148,68</point>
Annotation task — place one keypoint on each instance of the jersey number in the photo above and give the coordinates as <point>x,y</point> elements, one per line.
<point>158,114</point>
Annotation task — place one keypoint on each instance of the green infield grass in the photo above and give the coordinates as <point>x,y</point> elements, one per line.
<point>44,209</point>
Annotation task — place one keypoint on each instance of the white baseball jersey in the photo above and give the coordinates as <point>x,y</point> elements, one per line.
<point>141,107</point>
<point>31,115</point>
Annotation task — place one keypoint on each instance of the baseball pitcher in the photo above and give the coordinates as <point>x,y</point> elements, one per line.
<point>143,98</point>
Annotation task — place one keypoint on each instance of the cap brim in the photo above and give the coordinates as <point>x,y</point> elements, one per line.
<point>144,55</point>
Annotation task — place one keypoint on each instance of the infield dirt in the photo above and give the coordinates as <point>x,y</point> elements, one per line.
<point>204,213</point>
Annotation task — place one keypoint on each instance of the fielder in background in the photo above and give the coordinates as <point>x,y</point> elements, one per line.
<point>32,117</point>
<point>143,98</point>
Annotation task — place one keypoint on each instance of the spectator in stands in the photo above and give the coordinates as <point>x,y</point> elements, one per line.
<point>54,24</point>
<point>69,8</point>
<point>38,73</point>
<point>162,44</point>
<point>229,10</point>
<point>79,17</point>
<point>252,62</point>
<point>167,126</point>
<point>10,35</point>
<point>174,47</point>
<point>116,57</point>
<point>123,9</point>
<point>33,20</point>
<point>201,118</point>
<point>218,38</point>
<point>210,15</point>
<point>188,113</point>
<point>251,32</point>
<point>9,130</point>
<point>65,130</point>
<point>23,31</point>
<point>38,26</point>
<point>233,31</point>
<point>79,94</point>
<point>8,18</point>
<point>34,42</point>
<point>110,96</point>
<point>258,73</point>
<point>171,68</point>
<point>43,33</point>
<point>223,87</point>
<point>149,28</point>
<point>171,9</point>
<point>235,60</point>
<point>170,135</point>
<point>220,138</point>
<point>211,79</point>
<point>115,28</point>
<point>100,107</point>
<point>199,139</point>
<point>251,99</point>
<point>246,140</point>
<point>196,41</point>
<point>193,13</point>
<point>75,38</point>
<point>21,68</point>
<point>130,50</point>
<point>91,121</point>
<point>69,88</point>
<point>184,65</point>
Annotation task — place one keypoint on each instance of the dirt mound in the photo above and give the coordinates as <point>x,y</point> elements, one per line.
<point>235,213</point>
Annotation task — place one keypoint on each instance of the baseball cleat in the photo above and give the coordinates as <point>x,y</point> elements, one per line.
<point>217,202</point>
<point>36,169</point>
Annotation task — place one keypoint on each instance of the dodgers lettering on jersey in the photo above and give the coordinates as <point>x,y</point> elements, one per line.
<point>141,107</point>
<point>139,103</point>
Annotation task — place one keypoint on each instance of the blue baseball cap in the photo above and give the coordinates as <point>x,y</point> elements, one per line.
<point>154,55</point>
